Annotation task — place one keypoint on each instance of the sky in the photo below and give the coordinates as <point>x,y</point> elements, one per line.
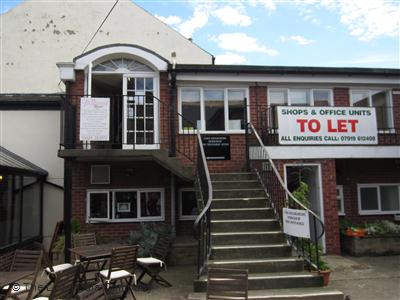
<point>331,33</point>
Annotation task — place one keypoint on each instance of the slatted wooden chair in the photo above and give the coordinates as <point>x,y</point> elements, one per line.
<point>121,268</point>
<point>153,265</point>
<point>24,260</point>
<point>58,230</point>
<point>227,284</point>
<point>96,292</point>
<point>65,284</point>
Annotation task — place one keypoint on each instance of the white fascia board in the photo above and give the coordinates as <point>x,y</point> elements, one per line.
<point>287,78</point>
<point>332,152</point>
<point>141,55</point>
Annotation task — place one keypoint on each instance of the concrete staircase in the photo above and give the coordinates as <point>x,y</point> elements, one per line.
<point>245,234</point>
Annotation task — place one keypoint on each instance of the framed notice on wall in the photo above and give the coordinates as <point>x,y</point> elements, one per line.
<point>94,119</point>
<point>327,125</point>
<point>217,147</point>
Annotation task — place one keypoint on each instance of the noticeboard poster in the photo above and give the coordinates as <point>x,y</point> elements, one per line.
<point>94,119</point>
<point>217,147</point>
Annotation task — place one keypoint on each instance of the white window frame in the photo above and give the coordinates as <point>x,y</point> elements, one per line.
<point>340,197</point>
<point>181,216</point>
<point>112,206</point>
<point>202,128</point>
<point>369,91</point>
<point>379,210</point>
<point>91,174</point>
<point>88,218</point>
<point>311,91</point>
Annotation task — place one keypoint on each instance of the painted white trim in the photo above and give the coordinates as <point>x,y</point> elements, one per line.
<point>306,79</point>
<point>340,197</point>
<point>310,89</point>
<point>379,210</point>
<point>140,55</point>
<point>332,152</point>
<point>181,216</point>
<point>202,108</point>
<point>321,194</point>
<point>138,203</point>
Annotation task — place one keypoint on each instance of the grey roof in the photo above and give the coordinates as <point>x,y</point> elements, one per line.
<point>14,163</point>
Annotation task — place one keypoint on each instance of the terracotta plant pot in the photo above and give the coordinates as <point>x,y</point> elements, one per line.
<point>325,274</point>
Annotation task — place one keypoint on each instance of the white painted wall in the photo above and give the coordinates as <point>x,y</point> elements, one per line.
<point>35,135</point>
<point>37,34</point>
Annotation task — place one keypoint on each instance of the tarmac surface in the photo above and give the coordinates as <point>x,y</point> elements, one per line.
<point>359,278</point>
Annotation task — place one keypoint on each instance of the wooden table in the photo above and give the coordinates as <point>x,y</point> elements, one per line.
<point>9,278</point>
<point>88,254</point>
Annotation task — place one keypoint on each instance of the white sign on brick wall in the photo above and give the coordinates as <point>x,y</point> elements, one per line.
<point>95,119</point>
<point>296,222</point>
<point>327,125</point>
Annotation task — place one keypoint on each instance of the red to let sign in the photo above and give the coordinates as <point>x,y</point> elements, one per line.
<point>327,125</point>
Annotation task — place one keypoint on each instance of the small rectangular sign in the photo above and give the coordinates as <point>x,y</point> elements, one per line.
<point>217,147</point>
<point>94,119</point>
<point>327,125</point>
<point>296,222</point>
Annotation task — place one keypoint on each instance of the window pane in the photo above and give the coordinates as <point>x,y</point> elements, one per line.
<point>150,204</point>
<point>214,109</point>
<point>299,97</point>
<point>31,209</point>
<point>389,198</point>
<point>236,109</point>
<point>98,205</point>
<point>360,98</point>
<point>140,84</point>
<point>190,109</point>
<point>149,84</point>
<point>380,101</point>
<point>369,198</point>
<point>278,97</point>
<point>322,97</point>
<point>125,205</point>
<point>189,204</point>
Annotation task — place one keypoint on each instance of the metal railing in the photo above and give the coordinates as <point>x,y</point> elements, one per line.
<point>386,117</point>
<point>261,162</point>
<point>202,225</point>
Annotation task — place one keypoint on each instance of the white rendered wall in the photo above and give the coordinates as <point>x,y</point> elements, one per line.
<point>37,34</point>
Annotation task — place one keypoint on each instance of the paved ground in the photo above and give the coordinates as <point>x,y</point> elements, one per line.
<point>359,278</point>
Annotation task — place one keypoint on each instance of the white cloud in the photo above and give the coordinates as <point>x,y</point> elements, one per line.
<point>170,20</point>
<point>229,58</point>
<point>232,16</point>
<point>196,22</point>
<point>241,42</point>
<point>368,19</point>
<point>301,40</point>
<point>268,4</point>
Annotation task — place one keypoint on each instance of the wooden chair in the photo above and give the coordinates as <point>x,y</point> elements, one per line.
<point>95,292</point>
<point>56,234</point>
<point>121,268</point>
<point>153,265</point>
<point>65,284</point>
<point>227,284</point>
<point>24,260</point>
<point>84,239</point>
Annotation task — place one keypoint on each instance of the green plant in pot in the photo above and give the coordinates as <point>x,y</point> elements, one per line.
<point>59,246</point>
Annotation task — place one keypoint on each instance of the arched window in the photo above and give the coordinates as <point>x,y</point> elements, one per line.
<point>121,65</point>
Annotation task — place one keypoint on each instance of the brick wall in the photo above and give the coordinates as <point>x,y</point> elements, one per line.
<point>349,173</point>
<point>331,219</point>
<point>123,175</point>
<point>341,96</point>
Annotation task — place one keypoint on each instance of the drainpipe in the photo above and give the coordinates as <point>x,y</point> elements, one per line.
<point>172,101</point>
<point>173,208</point>
<point>67,207</point>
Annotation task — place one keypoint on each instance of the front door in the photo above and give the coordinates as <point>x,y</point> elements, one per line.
<point>141,112</point>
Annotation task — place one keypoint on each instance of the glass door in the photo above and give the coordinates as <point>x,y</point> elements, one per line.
<point>141,110</point>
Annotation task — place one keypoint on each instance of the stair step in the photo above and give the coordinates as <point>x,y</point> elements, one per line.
<point>280,280</point>
<point>236,184</point>
<point>314,293</point>
<point>250,251</point>
<point>243,202</point>
<point>241,213</point>
<point>233,176</point>
<point>244,225</point>
<point>279,264</point>
<point>241,192</point>
<point>250,237</point>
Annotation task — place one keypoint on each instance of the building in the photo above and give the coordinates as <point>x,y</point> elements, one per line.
<point>135,97</point>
